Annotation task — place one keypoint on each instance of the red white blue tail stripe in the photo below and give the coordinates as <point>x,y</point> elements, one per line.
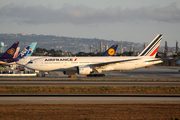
<point>152,48</point>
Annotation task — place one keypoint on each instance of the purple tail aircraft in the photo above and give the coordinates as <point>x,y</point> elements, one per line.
<point>7,57</point>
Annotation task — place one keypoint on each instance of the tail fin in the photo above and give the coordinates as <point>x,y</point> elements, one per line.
<point>16,53</point>
<point>31,49</point>
<point>152,48</point>
<point>10,52</point>
<point>23,53</point>
<point>111,51</point>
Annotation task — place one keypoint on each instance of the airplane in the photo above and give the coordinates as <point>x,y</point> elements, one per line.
<point>111,51</point>
<point>22,62</point>
<point>7,57</point>
<point>88,65</point>
<point>20,56</point>
<point>26,51</point>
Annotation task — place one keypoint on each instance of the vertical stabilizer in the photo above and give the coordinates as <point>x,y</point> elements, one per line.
<point>31,49</point>
<point>23,53</point>
<point>10,52</point>
<point>111,51</point>
<point>16,53</point>
<point>152,48</point>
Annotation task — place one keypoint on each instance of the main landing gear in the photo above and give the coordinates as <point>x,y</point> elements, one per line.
<point>40,74</point>
<point>96,75</point>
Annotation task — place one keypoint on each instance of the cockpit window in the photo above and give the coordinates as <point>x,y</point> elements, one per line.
<point>30,62</point>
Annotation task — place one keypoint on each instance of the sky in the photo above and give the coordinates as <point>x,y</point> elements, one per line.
<point>136,21</point>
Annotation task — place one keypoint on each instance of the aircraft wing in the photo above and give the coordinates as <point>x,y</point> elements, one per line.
<point>154,60</point>
<point>113,62</point>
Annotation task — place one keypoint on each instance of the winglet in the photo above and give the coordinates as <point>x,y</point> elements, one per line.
<point>152,48</point>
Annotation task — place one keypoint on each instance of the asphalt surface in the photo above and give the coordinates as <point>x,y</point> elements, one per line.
<point>89,99</point>
<point>154,73</point>
<point>87,83</point>
<point>114,78</point>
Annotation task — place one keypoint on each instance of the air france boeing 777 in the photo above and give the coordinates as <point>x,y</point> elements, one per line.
<point>87,65</point>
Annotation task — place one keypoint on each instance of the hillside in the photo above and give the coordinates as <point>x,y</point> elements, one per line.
<point>69,44</point>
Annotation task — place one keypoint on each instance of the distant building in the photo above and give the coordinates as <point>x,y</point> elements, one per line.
<point>101,49</point>
<point>91,49</point>
<point>1,47</point>
<point>121,49</point>
<point>106,46</point>
<point>131,49</point>
<point>166,49</point>
<point>176,46</point>
<point>145,45</point>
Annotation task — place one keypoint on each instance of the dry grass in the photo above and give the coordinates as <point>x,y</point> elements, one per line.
<point>90,112</point>
<point>89,90</point>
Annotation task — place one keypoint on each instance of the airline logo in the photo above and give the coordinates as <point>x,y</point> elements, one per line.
<point>111,51</point>
<point>75,59</point>
<point>62,59</point>
<point>30,51</point>
<point>23,52</point>
<point>11,51</point>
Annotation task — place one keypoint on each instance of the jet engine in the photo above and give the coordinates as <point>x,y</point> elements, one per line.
<point>84,70</point>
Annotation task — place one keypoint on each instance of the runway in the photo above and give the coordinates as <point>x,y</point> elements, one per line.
<point>87,83</point>
<point>89,99</point>
<point>163,76</point>
<point>158,73</point>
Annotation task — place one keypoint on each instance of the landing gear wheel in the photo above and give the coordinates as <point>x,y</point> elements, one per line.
<point>96,75</point>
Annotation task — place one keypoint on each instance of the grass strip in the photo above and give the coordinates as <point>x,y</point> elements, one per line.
<point>89,90</point>
<point>90,111</point>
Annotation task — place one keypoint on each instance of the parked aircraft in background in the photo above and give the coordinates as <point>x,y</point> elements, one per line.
<point>7,57</point>
<point>87,65</point>
<point>16,53</point>
<point>21,55</point>
<point>26,51</point>
<point>111,51</point>
<point>31,49</point>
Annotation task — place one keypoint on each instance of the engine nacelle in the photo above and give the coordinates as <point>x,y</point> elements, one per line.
<point>84,70</point>
<point>69,72</point>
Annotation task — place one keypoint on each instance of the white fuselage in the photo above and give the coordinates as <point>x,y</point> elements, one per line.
<point>26,59</point>
<point>70,63</point>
